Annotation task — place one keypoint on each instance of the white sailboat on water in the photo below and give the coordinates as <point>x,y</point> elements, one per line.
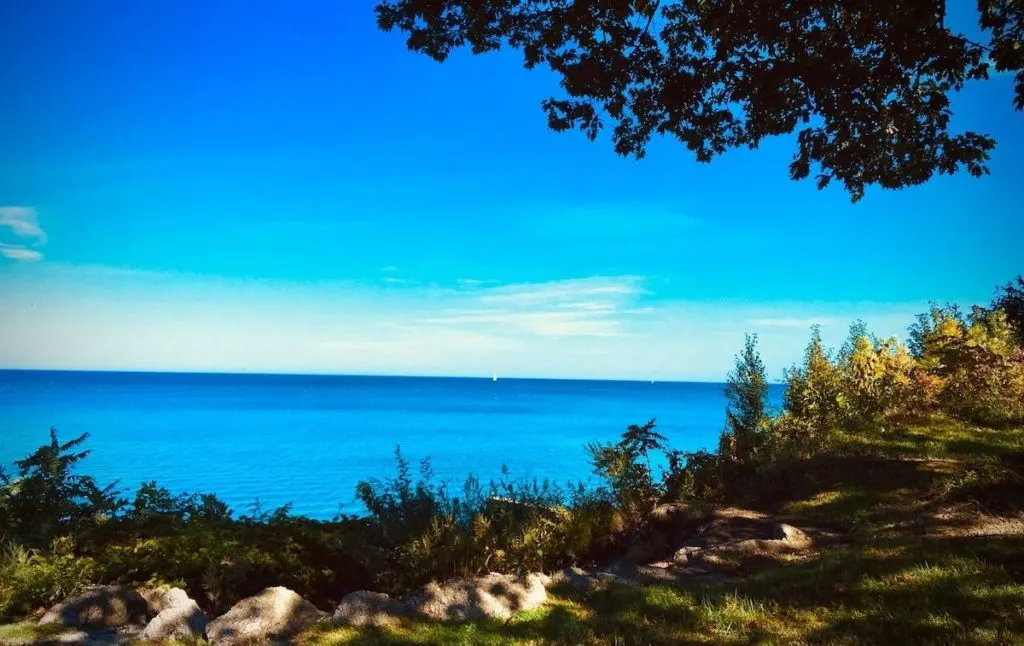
<point>494,377</point>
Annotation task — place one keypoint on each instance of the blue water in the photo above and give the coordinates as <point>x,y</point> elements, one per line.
<point>309,439</point>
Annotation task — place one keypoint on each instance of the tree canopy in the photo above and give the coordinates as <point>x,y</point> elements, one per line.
<point>866,83</point>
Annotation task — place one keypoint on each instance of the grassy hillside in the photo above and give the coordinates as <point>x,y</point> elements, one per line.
<point>928,548</point>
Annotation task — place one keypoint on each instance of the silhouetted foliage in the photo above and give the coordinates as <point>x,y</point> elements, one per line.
<point>867,84</point>
<point>47,498</point>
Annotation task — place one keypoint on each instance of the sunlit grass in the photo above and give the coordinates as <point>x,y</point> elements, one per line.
<point>26,632</point>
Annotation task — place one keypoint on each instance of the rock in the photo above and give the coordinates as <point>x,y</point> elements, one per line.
<point>154,598</point>
<point>496,596</point>
<point>179,618</point>
<point>790,536</point>
<point>274,612</point>
<point>370,608</point>
<point>106,605</point>
<point>687,553</point>
<point>581,579</point>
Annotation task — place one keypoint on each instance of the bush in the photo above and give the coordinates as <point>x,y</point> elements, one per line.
<point>29,579</point>
<point>880,381</point>
<point>421,530</point>
<point>976,361</point>
<point>222,560</point>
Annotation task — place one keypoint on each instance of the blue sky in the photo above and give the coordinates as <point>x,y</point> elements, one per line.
<point>244,187</point>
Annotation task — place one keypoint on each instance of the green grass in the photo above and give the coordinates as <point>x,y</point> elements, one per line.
<point>897,592</point>
<point>29,632</point>
<point>890,579</point>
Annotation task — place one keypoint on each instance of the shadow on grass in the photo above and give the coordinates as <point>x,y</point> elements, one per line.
<point>905,592</point>
<point>843,493</point>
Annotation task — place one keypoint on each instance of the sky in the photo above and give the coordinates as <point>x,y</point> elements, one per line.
<point>282,187</point>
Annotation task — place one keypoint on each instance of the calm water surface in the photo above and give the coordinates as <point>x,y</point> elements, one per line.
<point>309,439</point>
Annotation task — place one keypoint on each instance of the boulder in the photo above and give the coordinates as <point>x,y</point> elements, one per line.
<point>370,608</point>
<point>495,596</point>
<point>273,613</point>
<point>111,606</point>
<point>179,618</point>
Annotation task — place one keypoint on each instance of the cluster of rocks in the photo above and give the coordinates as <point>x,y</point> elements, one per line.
<point>112,614</point>
<point>115,614</point>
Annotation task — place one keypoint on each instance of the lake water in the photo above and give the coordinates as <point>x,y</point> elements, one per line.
<point>309,439</point>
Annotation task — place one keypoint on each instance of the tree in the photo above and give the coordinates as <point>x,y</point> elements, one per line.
<point>746,414</point>
<point>641,440</point>
<point>48,498</point>
<point>629,479</point>
<point>1011,301</point>
<point>866,83</point>
<point>814,390</point>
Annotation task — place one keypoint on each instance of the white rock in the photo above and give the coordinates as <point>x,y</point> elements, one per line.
<point>180,618</point>
<point>496,596</point>
<point>273,613</point>
<point>370,608</point>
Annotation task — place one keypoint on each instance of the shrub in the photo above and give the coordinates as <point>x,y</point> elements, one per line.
<point>419,530</point>
<point>880,381</point>
<point>976,361</point>
<point>30,579</point>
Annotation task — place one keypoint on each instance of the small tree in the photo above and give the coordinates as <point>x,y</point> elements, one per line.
<point>630,480</point>
<point>747,412</point>
<point>48,498</point>
<point>814,397</point>
<point>644,439</point>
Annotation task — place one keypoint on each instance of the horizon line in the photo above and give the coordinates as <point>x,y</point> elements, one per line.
<point>361,375</point>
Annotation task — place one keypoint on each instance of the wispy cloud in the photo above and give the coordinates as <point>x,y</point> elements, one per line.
<point>565,291</point>
<point>803,323</point>
<point>582,307</point>
<point>390,269</point>
<point>473,282</point>
<point>15,252</point>
<point>23,224</point>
